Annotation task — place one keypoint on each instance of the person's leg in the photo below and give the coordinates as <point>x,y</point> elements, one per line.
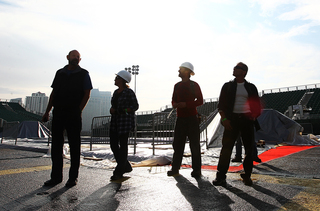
<point>247,134</point>
<point>194,142</point>
<point>73,128</point>
<point>178,144</point>
<point>238,145</point>
<point>128,167</point>
<point>239,148</point>
<point>114,144</point>
<point>115,147</point>
<point>255,153</point>
<point>122,157</point>
<point>228,140</point>
<point>254,149</point>
<point>58,123</point>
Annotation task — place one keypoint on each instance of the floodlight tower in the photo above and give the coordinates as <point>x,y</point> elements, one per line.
<point>134,71</point>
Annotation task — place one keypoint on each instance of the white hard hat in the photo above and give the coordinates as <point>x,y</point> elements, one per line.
<point>188,65</point>
<point>125,75</point>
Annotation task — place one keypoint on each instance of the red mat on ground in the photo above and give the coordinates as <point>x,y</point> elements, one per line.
<point>266,156</point>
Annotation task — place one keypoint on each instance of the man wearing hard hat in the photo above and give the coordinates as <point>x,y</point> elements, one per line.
<point>124,103</point>
<point>186,98</point>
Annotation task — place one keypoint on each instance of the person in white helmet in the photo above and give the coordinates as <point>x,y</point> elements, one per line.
<point>187,96</point>
<point>123,106</point>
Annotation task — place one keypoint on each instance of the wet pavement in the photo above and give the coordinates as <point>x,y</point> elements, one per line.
<point>287,183</point>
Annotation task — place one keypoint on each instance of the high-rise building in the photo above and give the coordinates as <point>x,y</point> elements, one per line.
<point>37,103</point>
<point>99,104</point>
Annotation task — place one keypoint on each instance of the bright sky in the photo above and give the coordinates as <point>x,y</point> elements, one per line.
<point>277,39</point>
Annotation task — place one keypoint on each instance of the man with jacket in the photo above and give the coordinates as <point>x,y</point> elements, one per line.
<point>239,106</point>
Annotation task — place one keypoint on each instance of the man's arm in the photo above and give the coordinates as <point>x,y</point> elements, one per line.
<point>222,106</point>
<point>45,116</point>
<point>85,99</point>
<point>255,103</point>
<point>224,121</point>
<point>174,97</point>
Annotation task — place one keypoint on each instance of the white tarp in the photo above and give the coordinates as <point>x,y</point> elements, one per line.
<point>215,132</point>
<point>276,128</point>
<point>27,129</point>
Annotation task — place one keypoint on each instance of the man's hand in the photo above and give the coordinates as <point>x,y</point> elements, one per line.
<point>45,117</point>
<point>112,110</point>
<point>227,124</point>
<point>180,105</point>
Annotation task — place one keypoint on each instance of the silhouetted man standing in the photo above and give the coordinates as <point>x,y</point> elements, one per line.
<point>186,97</point>
<point>239,106</point>
<point>70,94</point>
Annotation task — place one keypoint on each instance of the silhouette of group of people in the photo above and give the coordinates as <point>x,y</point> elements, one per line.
<point>239,106</point>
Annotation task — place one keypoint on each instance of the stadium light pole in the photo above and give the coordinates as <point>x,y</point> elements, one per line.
<point>134,71</point>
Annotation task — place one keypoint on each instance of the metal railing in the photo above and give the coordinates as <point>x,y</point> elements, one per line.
<point>163,129</point>
<point>10,131</point>
<point>100,132</point>
<point>291,88</point>
<point>163,124</point>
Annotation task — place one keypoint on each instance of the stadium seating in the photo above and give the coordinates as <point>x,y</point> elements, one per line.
<point>314,102</point>
<point>15,112</point>
<point>207,108</point>
<point>280,101</point>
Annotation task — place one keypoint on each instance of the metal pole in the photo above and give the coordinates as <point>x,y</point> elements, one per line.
<point>135,83</point>
<point>134,71</point>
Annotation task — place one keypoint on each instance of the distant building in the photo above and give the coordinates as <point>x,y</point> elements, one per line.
<point>37,103</point>
<point>16,100</point>
<point>99,104</point>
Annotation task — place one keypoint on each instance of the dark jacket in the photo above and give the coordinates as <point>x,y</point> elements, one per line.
<point>228,96</point>
<point>121,121</point>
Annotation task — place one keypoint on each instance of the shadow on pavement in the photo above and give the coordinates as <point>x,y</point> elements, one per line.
<point>267,168</point>
<point>33,200</point>
<point>280,198</point>
<point>255,202</point>
<point>203,197</point>
<point>102,199</point>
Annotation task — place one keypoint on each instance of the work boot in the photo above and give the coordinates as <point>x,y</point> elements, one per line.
<point>257,159</point>
<point>116,177</point>
<point>71,182</point>
<point>237,159</point>
<point>196,174</point>
<point>128,168</point>
<point>172,173</point>
<point>246,179</point>
<point>52,182</point>
<point>219,182</point>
